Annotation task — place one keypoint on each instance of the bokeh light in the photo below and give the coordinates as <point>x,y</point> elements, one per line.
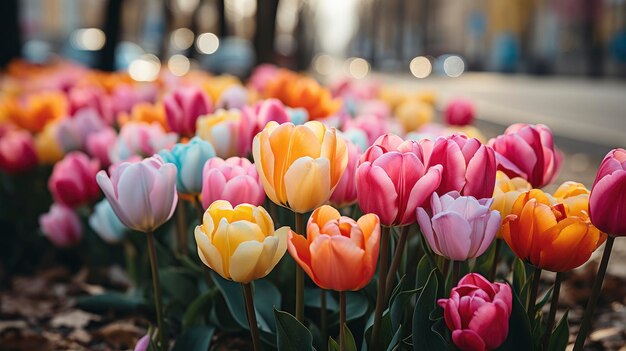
<point>358,67</point>
<point>179,65</point>
<point>145,69</point>
<point>421,67</point>
<point>89,39</point>
<point>207,43</point>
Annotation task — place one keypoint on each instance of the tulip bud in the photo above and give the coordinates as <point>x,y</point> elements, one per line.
<point>607,202</point>
<point>17,152</point>
<point>189,160</point>
<point>73,180</point>
<point>61,226</point>
<point>235,180</point>
<point>183,107</point>
<point>459,112</point>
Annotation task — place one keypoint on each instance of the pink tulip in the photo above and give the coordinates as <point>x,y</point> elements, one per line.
<point>100,144</point>
<point>183,107</point>
<point>72,133</point>
<point>235,180</point>
<point>61,226</point>
<point>73,180</point>
<point>607,202</point>
<point>373,126</point>
<point>468,166</point>
<point>459,112</point>
<point>233,97</point>
<point>143,343</point>
<point>17,152</point>
<point>254,118</point>
<point>261,76</point>
<point>125,96</point>
<point>143,194</point>
<point>460,227</point>
<point>345,192</point>
<point>141,139</point>
<point>91,97</point>
<point>528,151</point>
<point>392,180</point>
<point>477,313</point>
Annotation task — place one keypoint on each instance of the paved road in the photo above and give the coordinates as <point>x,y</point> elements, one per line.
<point>581,110</point>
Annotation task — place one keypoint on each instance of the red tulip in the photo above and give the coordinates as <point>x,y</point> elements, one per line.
<point>73,180</point>
<point>528,151</point>
<point>183,107</point>
<point>607,202</point>
<point>459,112</point>
<point>17,152</point>
<point>477,313</point>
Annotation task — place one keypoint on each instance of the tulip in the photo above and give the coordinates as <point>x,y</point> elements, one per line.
<point>140,139</point>
<point>73,180</point>
<point>61,226</point>
<point>240,243</point>
<point>607,211</point>
<point>93,98</point>
<point>72,133</point>
<point>459,112</point>
<point>468,166</point>
<point>126,95</point>
<point>261,76</point>
<point>413,114</point>
<point>547,235</point>
<point>100,144</point>
<point>146,113</point>
<point>48,148</point>
<point>299,166</point>
<point>337,241</point>
<point>17,152</point>
<point>183,107</point>
<point>233,97</point>
<point>235,180</point>
<point>607,207</point>
<point>528,151</point>
<point>506,192</point>
<point>373,126</point>
<point>143,343</point>
<point>254,118</point>
<point>38,110</point>
<point>460,227</point>
<point>477,313</point>
<point>106,224</point>
<point>143,194</point>
<point>345,192</point>
<point>189,159</point>
<point>392,180</point>
<point>227,131</point>
<point>357,137</point>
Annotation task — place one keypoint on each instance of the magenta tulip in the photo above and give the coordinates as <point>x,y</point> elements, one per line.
<point>528,151</point>
<point>392,180</point>
<point>459,112</point>
<point>142,194</point>
<point>607,202</point>
<point>459,227</point>
<point>61,226</point>
<point>235,180</point>
<point>468,166</point>
<point>73,180</point>
<point>477,313</point>
<point>17,152</point>
<point>345,192</point>
<point>183,107</point>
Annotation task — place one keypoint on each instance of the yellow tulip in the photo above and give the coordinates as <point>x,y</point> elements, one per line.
<point>505,193</point>
<point>222,130</point>
<point>240,243</point>
<point>413,114</point>
<point>299,166</point>
<point>48,149</point>
<point>575,197</point>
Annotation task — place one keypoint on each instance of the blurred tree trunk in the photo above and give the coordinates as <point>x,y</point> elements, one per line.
<point>168,19</point>
<point>593,45</point>
<point>194,26</point>
<point>112,30</point>
<point>10,35</point>
<point>221,19</point>
<point>266,11</point>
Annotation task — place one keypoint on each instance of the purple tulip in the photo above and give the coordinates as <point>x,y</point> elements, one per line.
<point>142,194</point>
<point>460,227</point>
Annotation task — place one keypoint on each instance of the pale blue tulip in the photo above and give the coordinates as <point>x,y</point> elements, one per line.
<point>105,223</point>
<point>189,159</point>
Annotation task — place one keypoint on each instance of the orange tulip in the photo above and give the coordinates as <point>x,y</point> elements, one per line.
<point>299,91</point>
<point>505,193</point>
<point>145,112</point>
<point>547,234</point>
<point>39,109</point>
<point>338,253</point>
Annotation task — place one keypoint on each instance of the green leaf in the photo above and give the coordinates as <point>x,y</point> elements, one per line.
<point>201,306</point>
<point>112,302</point>
<point>356,307</point>
<point>332,344</point>
<point>560,336</point>
<point>178,284</point>
<point>312,299</point>
<point>423,272</point>
<point>350,344</point>
<point>485,261</point>
<point>399,305</point>
<point>423,338</point>
<point>291,334</point>
<point>519,278</point>
<point>197,338</point>
<point>519,337</point>
<point>396,339</point>
<point>385,334</point>
<point>546,297</point>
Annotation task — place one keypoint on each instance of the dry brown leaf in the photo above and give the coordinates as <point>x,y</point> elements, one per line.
<point>81,336</point>
<point>16,324</point>
<point>121,334</point>
<point>76,319</point>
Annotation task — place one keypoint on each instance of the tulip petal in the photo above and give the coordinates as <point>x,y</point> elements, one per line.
<point>244,260</point>
<point>376,193</point>
<point>468,340</point>
<point>298,247</point>
<point>307,183</point>
<point>337,263</point>
<point>421,192</point>
<point>453,232</point>
<point>208,253</point>
<point>491,323</point>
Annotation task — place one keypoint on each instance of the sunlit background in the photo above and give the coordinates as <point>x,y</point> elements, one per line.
<point>423,38</point>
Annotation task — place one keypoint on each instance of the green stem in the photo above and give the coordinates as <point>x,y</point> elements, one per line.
<point>395,262</point>
<point>496,260</point>
<point>595,295</point>
<point>199,208</point>
<point>299,217</point>
<point>157,289</point>
<point>323,317</point>
<point>532,300</point>
<point>382,279</point>
<point>274,214</point>
<point>181,228</point>
<point>250,312</point>
<point>456,267</point>
<point>428,252</point>
<point>554,304</point>
<point>130,253</point>
<point>342,320</point>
